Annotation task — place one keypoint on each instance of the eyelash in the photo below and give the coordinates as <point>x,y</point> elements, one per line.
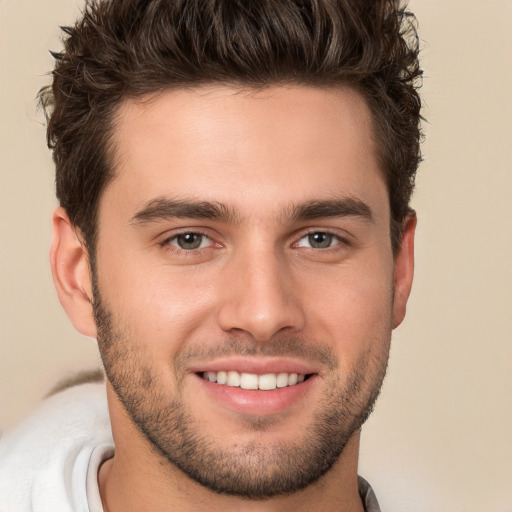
<point>341,241</point>
<point>166,243</point>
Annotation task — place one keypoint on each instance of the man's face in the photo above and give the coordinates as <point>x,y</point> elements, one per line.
<point>244,243</point>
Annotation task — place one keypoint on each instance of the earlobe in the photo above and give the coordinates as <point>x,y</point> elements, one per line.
<point>404,270</point>
<point>71,273</point>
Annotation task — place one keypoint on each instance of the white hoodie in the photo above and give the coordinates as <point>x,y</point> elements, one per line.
<point>50,463</point>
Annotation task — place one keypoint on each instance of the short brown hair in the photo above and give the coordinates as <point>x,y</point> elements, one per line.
<point>128,48</point>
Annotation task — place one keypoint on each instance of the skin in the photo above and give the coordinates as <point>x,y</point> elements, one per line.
<point>255,279</point>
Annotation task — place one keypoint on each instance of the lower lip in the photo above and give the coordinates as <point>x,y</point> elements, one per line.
<point>257,402</point>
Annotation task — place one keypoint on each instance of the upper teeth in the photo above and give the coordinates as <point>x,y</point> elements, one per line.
<point>253,381</point>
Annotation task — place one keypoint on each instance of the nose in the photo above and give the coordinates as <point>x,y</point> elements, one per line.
<point>260,297</point>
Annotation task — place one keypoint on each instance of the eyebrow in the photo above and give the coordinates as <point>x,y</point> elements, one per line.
<point>162,209</point>
<point>342,207</point>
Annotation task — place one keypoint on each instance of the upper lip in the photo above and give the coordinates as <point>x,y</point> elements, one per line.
<point>257,365</point>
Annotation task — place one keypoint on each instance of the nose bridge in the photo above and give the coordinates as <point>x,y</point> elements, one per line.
<point>259,297</point>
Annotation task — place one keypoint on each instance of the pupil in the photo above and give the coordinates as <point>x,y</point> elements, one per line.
<point>320,240</point>
<point>189,241</point>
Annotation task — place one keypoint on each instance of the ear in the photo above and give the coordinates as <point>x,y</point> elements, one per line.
<point>71,273</point>
<point>404,270</point>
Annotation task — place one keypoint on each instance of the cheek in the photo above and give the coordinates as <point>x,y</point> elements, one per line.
<point>353,310</point>
<point>159,306</point>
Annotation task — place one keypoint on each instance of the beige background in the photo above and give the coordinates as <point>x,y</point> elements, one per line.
<point>440,439</point>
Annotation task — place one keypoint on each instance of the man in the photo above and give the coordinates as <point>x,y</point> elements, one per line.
<point>234,228</point>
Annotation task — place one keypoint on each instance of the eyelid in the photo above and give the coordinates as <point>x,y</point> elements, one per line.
<point>205,241</point>
<point>344,238</point>
<point>166,239</point>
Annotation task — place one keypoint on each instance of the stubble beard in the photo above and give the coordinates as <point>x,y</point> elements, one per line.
<point>254,470</point>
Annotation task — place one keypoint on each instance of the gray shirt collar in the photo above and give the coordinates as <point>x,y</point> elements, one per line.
<point>368,496</point>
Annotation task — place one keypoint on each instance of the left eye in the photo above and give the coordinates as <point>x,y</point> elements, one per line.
<point>319,240</point>
<point>190,241</point>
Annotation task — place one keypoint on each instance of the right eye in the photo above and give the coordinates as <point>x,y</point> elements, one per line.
<point>189,241</point>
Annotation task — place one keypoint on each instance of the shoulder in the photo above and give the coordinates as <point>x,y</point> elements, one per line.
<point>43,463</point>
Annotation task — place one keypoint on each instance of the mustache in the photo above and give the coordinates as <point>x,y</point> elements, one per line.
<point>246,347</point>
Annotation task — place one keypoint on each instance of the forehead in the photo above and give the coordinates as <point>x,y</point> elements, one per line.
<point>246,148</point>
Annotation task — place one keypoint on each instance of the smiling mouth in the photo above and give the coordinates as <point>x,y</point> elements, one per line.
<point>253,381</point>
